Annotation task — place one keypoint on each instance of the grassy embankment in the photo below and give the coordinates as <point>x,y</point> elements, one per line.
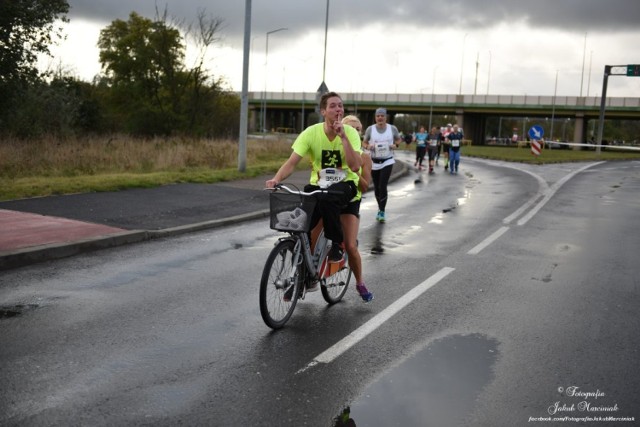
<point>524,155</point>
<point>47,166</point>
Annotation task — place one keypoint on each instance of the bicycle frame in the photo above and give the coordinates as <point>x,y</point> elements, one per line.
<point>303,246</point>
<point>294,267</point>
<point>303,253</point>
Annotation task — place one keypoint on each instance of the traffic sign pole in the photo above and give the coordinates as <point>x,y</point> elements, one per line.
<point>536,132</point>
<point>631,70</point>
<point>603,101</point>
<point>535,147</point>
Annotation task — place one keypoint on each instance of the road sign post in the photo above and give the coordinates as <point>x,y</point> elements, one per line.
<point>536,132</point>
<point>632,70</point>
<point>536,147</point>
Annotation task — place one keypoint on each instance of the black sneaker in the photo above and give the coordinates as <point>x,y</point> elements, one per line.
<point>336,254</point>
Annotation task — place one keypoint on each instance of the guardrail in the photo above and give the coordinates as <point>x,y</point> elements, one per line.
<point>390,99</point>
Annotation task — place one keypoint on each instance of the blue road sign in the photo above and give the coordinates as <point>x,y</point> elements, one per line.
<point>536,132</point>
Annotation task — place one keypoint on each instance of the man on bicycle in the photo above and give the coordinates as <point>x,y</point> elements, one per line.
<point>335,153</point>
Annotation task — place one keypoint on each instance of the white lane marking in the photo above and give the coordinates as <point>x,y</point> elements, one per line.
<point>552,191</point>
<point>543,190</point>
<point>486,242</point>
<point>523,208</point>
<point>356,336</point>
<point>543,187</point>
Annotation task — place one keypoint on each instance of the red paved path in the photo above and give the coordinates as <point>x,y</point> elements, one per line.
<point>20,230</point>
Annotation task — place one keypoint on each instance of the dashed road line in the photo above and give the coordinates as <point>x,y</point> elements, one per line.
<point>486,242</point>
<point>359,334</point>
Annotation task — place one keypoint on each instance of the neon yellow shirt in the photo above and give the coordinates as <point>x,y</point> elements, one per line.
<point>324,153</point>
<point>359,193</point>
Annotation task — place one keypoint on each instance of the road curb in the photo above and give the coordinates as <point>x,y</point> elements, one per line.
<point>36,254</point>
<point>206,225</point>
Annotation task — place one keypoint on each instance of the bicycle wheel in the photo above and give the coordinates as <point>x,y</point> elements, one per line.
<point>280,278</point>
<point>335,285</point>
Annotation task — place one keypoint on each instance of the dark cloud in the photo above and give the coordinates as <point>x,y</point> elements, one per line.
<point>309,15</point>
<point>570,15</point>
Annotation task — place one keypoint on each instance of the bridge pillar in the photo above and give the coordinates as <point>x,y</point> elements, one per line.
<point>367,118</point>
<point>460,120</point>
<point>580,127</point>
<point>253,120</point>
<point>473,127</point>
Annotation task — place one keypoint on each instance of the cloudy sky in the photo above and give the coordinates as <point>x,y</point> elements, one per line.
<point>507,47</point>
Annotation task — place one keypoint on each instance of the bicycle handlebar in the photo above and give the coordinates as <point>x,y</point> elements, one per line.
<point>303,193</point>
<point>296,191</point>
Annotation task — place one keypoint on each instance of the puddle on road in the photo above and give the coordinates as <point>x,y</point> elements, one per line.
<point>16,310</point>
<point>436,386</point>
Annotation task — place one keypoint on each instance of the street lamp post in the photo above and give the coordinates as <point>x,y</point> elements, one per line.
<point>553,107</point>
<point>433,90</point>
<point>322,89</point>
<point>489,73</point>
<point>584,55</point>
<point>475,86</point>
<point>264,94</point>
<point>303,93</point>
<point>326,32</point>
<point>589,79</point>
<point>462,62</point>
<point>244,100</point>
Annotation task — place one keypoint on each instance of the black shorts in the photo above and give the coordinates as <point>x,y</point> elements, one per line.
<point>433,150</point>
<point>353,208</point>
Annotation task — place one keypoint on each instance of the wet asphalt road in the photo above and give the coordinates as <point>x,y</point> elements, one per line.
<point>522,295</point>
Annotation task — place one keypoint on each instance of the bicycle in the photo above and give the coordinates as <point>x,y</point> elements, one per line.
<point>296,265</point>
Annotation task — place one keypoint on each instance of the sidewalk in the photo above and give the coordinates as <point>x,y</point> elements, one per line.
<point>46,228</point>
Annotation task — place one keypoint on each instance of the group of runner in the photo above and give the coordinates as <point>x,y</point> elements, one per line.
<point>432,144</point>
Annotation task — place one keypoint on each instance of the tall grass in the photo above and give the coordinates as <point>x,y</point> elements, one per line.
<point>56,166</point>
<point>50,157</point>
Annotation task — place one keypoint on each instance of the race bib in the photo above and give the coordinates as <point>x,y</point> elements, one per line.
<point>382,150</point>
<point>329,176</point>
<point>455,143</point>
<point>433,142</point>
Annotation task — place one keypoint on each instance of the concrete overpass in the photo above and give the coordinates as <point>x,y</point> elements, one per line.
<point>292,111</point>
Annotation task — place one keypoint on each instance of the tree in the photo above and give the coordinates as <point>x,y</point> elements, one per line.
<point>140,51</point>
<point>204,35</point>
<point>27,29</point>
<point>154,92</point>
<point>143,60</point>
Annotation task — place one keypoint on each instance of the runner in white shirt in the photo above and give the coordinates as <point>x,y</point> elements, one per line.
<point>381,139</point>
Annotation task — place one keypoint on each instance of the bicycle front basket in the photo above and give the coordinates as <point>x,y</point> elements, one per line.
<point>290,212</point>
